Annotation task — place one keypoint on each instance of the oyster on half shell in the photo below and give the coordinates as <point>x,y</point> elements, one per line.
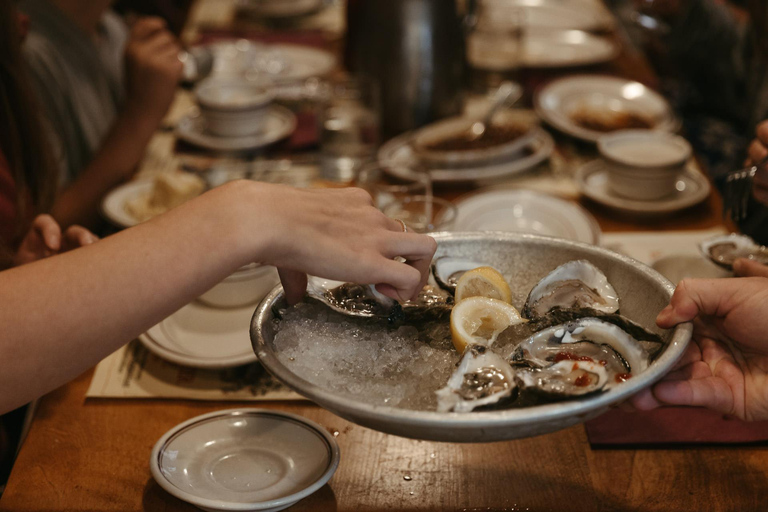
<point>447,270</point>
<point>365,301</point>
<point>724,250</point>
<point>482,378</point>
<point>576,284</point>
<point>544,357</point>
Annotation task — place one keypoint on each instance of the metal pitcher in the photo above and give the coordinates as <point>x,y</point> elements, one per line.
<point>414,49</point>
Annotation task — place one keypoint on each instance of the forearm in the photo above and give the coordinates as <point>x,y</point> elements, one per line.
<point>62,315</point>
<point>115,162</point>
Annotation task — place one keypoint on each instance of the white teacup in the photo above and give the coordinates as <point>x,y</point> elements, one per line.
<point>234,107</point>
<point>643,164</point>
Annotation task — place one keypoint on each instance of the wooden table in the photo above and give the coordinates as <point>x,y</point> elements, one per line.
<point>94,455</point>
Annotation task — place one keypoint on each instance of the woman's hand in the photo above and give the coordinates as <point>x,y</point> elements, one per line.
<point>339,234</point>
<point>726,366</point>
<point>45,239</point>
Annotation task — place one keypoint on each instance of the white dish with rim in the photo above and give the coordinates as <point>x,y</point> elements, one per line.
<point>559,100</point>
<point>525,211</point>
<point>244,459</point>
<point>542,49</point>
<point>397,153</point>
<point>280,123</point>
<point>113,204</point>
<point>282,63</point>
<point>553,14</point>
<point>460,125</point>
<point>281,9</point>
<point>201,336</point>
<point>692,187</point>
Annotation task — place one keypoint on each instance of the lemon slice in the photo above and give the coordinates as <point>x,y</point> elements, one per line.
<point>479,320</point>
<point>483,282</point>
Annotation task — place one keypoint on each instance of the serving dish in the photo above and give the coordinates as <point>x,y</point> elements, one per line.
<point>527,258</point>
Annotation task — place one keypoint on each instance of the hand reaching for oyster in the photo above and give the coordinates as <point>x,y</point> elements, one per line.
<point>725,369</point>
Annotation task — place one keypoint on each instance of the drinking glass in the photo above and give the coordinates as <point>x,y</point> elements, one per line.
<point>349,127</point>
<point>496,36</point>
<point>384,187</point>
<point>423,214</point>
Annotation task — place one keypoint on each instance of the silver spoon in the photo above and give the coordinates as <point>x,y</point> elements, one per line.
<point>500,98</point>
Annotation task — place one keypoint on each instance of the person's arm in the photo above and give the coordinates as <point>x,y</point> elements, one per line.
<point>153,72</point>
<point>61,315</point>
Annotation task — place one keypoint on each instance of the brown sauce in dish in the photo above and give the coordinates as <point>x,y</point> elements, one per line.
<point>493,136</point>
<point>623,377</point>
<point>601,121</point>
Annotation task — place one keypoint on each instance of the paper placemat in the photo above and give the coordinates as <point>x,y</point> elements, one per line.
<point>134,372</point>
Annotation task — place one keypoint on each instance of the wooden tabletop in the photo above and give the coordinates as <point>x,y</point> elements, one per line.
<point>93,455</point>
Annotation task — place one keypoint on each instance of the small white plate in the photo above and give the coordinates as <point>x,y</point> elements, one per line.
<point>559,100</point>
<point>202,336</point>
<point>113,204</point>
<point>280,124</point>
<point>541,49</point>
<point>554,14</point>
<point>281,9</point>
<point>692,188</point>
<point>244,459</point>
<point>398,152</point>
<point>282,63</point>
<point>525,211</point>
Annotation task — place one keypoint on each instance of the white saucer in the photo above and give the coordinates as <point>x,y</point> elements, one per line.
<point>525,211</point>
<point>244,459</point>
<point>553,14</point>
<point>280,124</point>
<point>398,152</point>
<point>542,49</point>
<point>692,188</point>
<point>559,100</point>
<point>203,337</point>
<point>113,204</point>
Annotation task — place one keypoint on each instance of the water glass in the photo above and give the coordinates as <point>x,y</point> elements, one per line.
<point>495,41</point>
<point>423,214</point>
<point>384,187</point>
<point>349,127</point>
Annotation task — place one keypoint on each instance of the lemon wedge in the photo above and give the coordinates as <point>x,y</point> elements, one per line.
<point>483,282</point>
<point>480,320</point>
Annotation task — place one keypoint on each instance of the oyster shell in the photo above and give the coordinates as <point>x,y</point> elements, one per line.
<point>365,301</point>
<point>447,270</point>
<point>724,250</point>
<point>576,284</point>
<point>482,378</point>
<point>588,340</point>
<point>350,298</point>
<point>566,378</point>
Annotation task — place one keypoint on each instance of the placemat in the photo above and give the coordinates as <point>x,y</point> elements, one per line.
<point>134,372</point>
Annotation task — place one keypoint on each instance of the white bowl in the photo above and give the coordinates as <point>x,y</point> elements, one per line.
<point>456,126</point>
<point>234,107</point>
<point>244,459</point>
<point>643,164</point>
<point>248,285</point>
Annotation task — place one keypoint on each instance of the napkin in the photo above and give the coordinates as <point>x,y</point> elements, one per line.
<point>672,425</point>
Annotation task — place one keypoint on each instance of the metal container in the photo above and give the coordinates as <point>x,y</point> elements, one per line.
<point>414,49</point>
<point>526,258</point>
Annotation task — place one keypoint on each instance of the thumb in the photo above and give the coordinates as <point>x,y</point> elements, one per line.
<point>49,232</point>
<point>744,267</point>
<point>694,296</point>
<point>294,284</point>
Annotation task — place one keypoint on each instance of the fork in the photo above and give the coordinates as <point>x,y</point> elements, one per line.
<point>738,187</point>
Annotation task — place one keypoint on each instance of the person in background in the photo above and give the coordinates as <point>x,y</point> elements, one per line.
<point>104,90</point>
<point>715,66</point>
